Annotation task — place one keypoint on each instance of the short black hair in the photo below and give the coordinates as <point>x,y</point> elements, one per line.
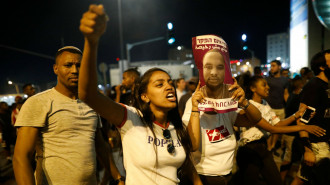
<point>304,71</point>
<point>277,62</point>
<point>318,60</point>
<point>134,72</point>
<point>27,85</point>
<point>71,49</point>
<point>296,81</point>
<point>178,80</point>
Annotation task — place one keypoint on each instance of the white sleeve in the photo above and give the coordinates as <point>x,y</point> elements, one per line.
<point>131,118</point>
<point>34,112</point>
<point>187,112</point>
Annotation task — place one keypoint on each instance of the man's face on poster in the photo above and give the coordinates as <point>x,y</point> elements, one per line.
<point>213,69</point>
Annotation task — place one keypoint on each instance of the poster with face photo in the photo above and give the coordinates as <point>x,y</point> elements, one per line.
<point>212,60</point>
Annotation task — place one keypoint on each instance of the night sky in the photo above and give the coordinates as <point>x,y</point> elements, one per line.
<point>43,26</point>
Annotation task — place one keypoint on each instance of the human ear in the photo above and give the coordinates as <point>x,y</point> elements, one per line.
<point>145,98</point>
<point>253,89</point>
<point>55,68</point>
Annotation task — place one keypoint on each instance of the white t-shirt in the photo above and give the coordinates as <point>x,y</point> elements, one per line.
<point>139,150</point>
<point>66,146</point>
<point>216,151</point>
<point>249,134</point>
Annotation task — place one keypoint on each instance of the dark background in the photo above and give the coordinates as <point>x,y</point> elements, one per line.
<point>45,26</point>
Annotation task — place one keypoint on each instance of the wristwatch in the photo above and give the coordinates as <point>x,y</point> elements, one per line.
<point>245,106</point>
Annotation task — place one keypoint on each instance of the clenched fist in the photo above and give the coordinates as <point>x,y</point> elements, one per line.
<point>93,23</point>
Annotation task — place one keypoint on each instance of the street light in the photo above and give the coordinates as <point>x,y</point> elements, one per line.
<point>16,86</point>
<point>170,33</point>
<point>245,48</point>
<point>244,37</point>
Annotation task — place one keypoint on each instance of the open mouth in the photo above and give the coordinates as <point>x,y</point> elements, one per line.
<point>171,96</point>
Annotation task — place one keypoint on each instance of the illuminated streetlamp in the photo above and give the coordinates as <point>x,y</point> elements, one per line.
<point>16,86</point>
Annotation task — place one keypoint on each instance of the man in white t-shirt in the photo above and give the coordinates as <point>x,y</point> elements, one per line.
<point>64,131</point>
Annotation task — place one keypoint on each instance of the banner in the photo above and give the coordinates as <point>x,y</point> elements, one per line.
<point>212,60</point>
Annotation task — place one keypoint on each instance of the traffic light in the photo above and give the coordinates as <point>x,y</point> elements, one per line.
<point>245,48</point>
<point>170,33</point>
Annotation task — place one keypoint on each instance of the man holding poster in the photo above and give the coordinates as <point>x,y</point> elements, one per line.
<point>212,111</point>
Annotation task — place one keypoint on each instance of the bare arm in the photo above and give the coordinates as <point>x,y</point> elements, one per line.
<point>104,154</point>
<point>286,94</point>
<point>309,156</point>
<point>23,155</point>
<point>248,117</point>
<point>194,122</point>
<point>318,131</point>
<point>118,93</point>
<point>101,151</point>
<point>93,25</point>
<point>251,115</point>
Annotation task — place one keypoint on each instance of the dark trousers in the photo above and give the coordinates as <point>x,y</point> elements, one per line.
<point>215,180</point>
<point>256,165</point>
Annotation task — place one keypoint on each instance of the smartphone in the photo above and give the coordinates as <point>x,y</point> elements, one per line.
<point>307,114</point>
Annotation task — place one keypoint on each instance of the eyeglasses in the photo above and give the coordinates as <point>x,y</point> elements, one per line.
<point>168,137</point>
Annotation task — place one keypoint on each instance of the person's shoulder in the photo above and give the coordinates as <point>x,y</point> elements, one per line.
<point>313,83</point>
<point>40,96</point>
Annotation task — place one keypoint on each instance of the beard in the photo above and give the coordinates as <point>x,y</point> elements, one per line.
<point>275,73</point>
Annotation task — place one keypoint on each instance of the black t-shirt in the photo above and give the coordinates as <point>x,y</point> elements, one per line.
<point>317,94</point>
<point>291,107</point>
<point>276,91</point>
<point>126,98</point>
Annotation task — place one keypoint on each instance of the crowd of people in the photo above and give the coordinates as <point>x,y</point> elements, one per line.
<point>151,129</point>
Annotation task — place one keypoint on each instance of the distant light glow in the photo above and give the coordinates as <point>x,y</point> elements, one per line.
<point>245,48</point>
<point>244,37</point>
<point>100,86</point>
<point>265,73</point>
<point>171,40</point>
<point>235,75</point>
<point>10,82</point>
<point>192,65</point>
<point>284,65</point>
<point>179,47</point>
<point>278,58</point>
<point>238,63</point>
<point>247,63</point>
<point>169,26</point>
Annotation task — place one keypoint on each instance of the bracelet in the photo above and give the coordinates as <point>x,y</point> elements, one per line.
<point>195,111</point>
<point>246,106</point>
<point>294,115</point>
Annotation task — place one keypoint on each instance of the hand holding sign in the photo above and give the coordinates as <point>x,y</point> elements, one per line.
<point>197,97</point>
<point>238,93</point>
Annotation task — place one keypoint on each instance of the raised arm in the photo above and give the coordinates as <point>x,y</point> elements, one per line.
<point>93,25</point>
<point>194,122</point>
<point>23,155</point>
